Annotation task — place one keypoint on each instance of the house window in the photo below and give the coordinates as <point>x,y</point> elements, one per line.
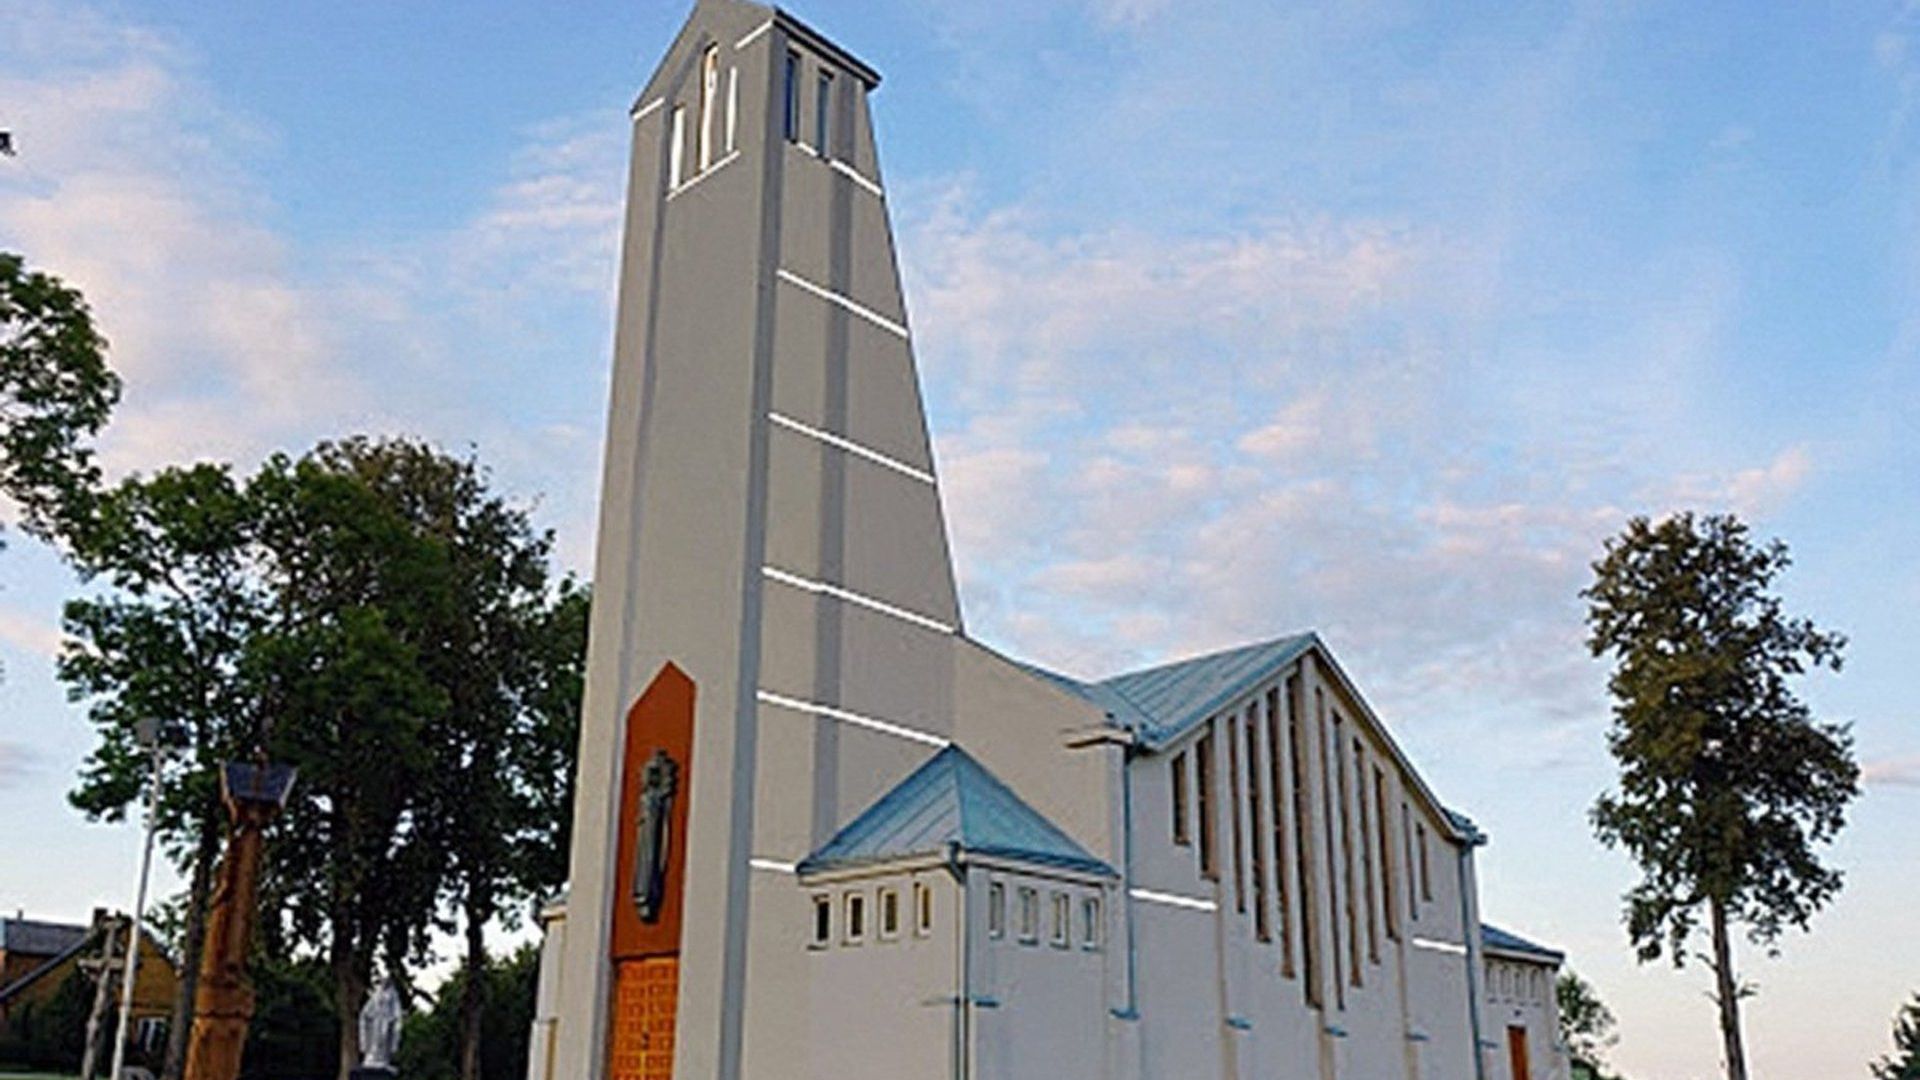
<point>1029,915</point>
<point>1091,929</point>
<point>856,921</point>
<point>822,921</point>
<point>996,910</point>
<point>792,116</point>
<point>733,107</point>
<point>1389,900</point>
<point>677,152</point>
<point>709,104</point>
<point>1262,927</point>
<point>889,914</point>
<point>1426,876</point>
<point>922,909</point>
<point>1062,920</point>
<point>1182,823</point>
<point>1365,838</point>
<point>1209,863</point>
<point>822,105</point>
<point>149,1032</point>
<point>1276,791</point>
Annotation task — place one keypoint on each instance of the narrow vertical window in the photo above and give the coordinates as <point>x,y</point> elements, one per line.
<point>1062,920</point>
<point>1092,930</point>
<point>733,108</point>
<point>1303,848</point>
<point>856,921</point>
<point>1389,884</point>
<point>1277,794</point>
<point>996,910</point>
<point>1365,839</point>
<point>1347,863</point>
<point>709,104</point>
<point>1029,915</point>
<point>889,913</point>
<point>677,151</point>
<point>791,119</point>
<point>1234,780</point>
<point>1182,825</point>
<point>922,909</point>
<point>822,921</point>
<point>1203,761</point>
<point>1328,751</point>
<point>822,108</point>
<point>1406,838</point>
<point>1262,921</point>
<point>1426,873</point>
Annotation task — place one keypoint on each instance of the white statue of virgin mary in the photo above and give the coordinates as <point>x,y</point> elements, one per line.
<point>380,1027</point>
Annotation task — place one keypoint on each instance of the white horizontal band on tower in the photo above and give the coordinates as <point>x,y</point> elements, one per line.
<point>648,107</point>
<point>1190,903</point>
<point>855,175</point>
<point>883,726</point>
<point>854,306</point>
<point>753,34</point>
<point>851,447</point>
<point>773,866</point>
<point>823,588</point>
<point>704,173</point>
<point>1440,946</point>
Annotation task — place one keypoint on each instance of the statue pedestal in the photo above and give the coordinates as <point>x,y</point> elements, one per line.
<point>364,1073</point>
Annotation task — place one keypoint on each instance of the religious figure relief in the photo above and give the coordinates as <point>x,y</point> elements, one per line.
<point>652,833</point>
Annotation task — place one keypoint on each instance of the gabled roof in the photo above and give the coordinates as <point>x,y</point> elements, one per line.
<point>1495,939</point>
<point>56,962</point>
<point>951,803</point>
<point>30,938</point>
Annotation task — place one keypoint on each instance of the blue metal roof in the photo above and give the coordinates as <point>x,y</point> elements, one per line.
<point>1160,703</point>
<point>1493,937</point>
<point>30,938</point>
<point>951,802</point>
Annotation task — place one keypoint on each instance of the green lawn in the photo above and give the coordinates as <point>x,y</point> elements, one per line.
<point>34,1076</point>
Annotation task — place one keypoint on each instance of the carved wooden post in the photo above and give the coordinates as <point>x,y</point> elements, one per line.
<point>223,1005</point>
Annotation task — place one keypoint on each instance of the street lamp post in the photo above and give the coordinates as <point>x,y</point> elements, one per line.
<point>150,738</point>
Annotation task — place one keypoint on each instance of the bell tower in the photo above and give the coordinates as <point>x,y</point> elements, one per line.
<point>773,634</point>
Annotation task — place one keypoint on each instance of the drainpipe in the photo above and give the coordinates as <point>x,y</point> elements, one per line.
<point>1471,934</point>
<point>963,960</point>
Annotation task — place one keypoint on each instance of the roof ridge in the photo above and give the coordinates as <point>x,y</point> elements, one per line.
<point>1196,658</point>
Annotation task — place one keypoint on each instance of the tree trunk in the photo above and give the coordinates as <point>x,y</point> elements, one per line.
<point>349,993</point>
<point>206,853</point>
<point>1728,994</point>
<point>472,996</point>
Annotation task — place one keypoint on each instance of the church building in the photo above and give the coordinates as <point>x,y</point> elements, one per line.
<point>821,830</point>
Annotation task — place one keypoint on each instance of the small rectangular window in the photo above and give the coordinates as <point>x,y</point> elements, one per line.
<point>922,909</point>
<point>889,914</point>
<point>1029,915</point>
<point>856,921</point>
<point>1426,872</point>
<point>1062,920</point>
<point>792,117</point>
<point>822,108</point>
<point>996,910</point>
<point>822,921</point>
<point>677,152</point>
<point>1182,834</point>
<point>1092,931</point>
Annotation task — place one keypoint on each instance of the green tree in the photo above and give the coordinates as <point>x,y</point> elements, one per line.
<point>1586,1025</point>
<point>56,393</point>
<point>166,640</point>
<point>433,1047</point>
<point>1728,784</point>
<point>292,1036</point>
<point>1904,1062</point>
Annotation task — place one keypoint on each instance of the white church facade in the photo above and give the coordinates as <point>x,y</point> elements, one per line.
<point>820,830</point>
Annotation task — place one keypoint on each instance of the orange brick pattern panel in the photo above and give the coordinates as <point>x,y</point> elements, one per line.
<point>644,995</point>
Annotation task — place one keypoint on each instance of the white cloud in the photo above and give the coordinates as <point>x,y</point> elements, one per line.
<point>1892,772</point>
<point>29,635</point>
<point>17,762</point>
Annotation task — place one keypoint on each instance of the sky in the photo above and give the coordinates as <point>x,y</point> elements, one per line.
<point>1235,318</point>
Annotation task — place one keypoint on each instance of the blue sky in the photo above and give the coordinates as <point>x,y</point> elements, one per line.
<point>1235,318</point>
